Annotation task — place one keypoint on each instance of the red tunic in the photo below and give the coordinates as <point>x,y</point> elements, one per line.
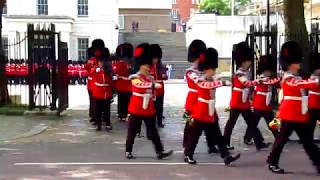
<point>193,77</point>
<point>204,109</point>
<point>263,95</point>
<point>13,70</point>
<point>122,70</point>
<point>142,99</point>
<point>24,69</point>
<point>8,69</point>
<point>82,71</point>
<point>294,103</point>
<point>71,70</point>
<point>241,92</point>
<point>314,98</point>
<point>159,77</point>
<point>102,88</point>
<point>90,66</point>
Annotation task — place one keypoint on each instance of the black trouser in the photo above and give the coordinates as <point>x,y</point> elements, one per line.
<point>91,105</point>
<point>268,117</point>
<point>123,103</point>
<point>135,125</point>
<point>195,131</point>
<point>102,110</point>
<point>159,109</point>
<point>208,134</point>
<point>249,119</point>
<point>305,136</point>
<point>314,117</point>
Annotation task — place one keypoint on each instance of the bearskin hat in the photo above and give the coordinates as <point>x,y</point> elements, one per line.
<point>98,44</point>
<point>195,49</point>
<point>291,53</point>
<point>315,61</point>
<point>124,51</point>
<point>267,63</point>
<point>156,51</point>
<point>209,59</point>
<point>143,55</point>
<point>242,52</point>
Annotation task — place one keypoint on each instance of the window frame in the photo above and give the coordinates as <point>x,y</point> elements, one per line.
<point>5,46</point>
<point>42,4</point>
<point>82,48</point>
<point>5,9</point>
<point>83,8</point>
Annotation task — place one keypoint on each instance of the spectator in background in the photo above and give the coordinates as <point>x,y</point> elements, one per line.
<point>133,25</point>
<point>169,70</point>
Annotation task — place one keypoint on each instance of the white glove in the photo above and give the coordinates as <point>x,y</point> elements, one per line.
<point>157,85</point>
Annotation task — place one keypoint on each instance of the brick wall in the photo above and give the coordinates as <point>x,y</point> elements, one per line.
<point>150,20</point>
<point>184,7</point>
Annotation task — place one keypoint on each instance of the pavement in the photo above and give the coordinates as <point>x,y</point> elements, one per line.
<point>70,148</point>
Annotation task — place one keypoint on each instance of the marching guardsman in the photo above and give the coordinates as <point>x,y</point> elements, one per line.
<point>122,69</point>
<point>239,103</point>
<point>204,116</point>
<point>293,110</point>
<point>92,63</point>
<point>158,71</point>
<point>314,95</point>
<point>102,88</point>
<point>24,71</point>
<point>71,72</point>
<point>262,99</point>
<point>196,49</point>
<point>141,106</point>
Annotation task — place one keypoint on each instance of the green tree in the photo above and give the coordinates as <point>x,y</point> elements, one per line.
<point>222,7</point>
<point>4,96</point>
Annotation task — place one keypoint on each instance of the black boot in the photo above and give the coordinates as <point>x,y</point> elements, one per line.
<point>129,155</point>
<point>248,142</point>
<point>164,154</point>
<point>108,128</point>
<point>213,150</point>
<point>230,147</point>
<point>229,159</point>
<point>276,169</point>
<point>318,169</point>
<point>263,146</point>
<point>189,160</point>
<point>99,128</point>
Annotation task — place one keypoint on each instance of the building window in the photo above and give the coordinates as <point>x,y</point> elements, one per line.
<point>5,45</point>
<point>83,44</point>
<point>83,8</point>
<point>42,7</point>
<point>174,13</point>
<point>5,9</point>
<point>121,22</point>
<point>196,1</point>
<point>174,1</point>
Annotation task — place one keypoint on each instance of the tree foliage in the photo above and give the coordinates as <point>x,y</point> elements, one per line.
<point>222,7</point>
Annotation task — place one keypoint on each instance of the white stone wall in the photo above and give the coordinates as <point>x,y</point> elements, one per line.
<point>219,32</point>
<point>145,4</point>
<point>101,22</point>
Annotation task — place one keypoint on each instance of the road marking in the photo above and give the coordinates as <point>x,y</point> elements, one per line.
<point>7,149</point>
<point>113,163</point>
